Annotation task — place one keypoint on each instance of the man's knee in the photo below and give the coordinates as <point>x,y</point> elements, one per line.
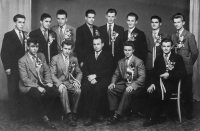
<point>77,91</point>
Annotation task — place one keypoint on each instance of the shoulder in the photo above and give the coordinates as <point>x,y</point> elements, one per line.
<point>41,55</point>
<point>101,27</point>
<point>138,61</point>
<point>70,27</point>
<point>35,31</point>
<point>54,27</point>
<point>22,59</point>
<point>119,27</point>
<point>56,57</point>
<point>81,27</point>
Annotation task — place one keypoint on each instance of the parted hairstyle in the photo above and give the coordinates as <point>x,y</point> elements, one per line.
<point>18,16</point>
<point>111,10</point>
<point>178,15</point>
<point>99,37</point>
<point>61,12</point>
<point>133,15</point>
<point>90,11</point>
<point>156,17</point>
<point>44,16</point>
<point>167,40</point>
<point>129,43</point>
<point>32,40</point>
<point>68,42</point>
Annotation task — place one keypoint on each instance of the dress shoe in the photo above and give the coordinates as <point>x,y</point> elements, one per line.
<point>70,120</point>
<point>75,117</point>
<point>113,120</point>
<point>47,123</point>
<point>100,119</point>
<point>89,122</point>
<point>149,122</point>
<point>189,117</point>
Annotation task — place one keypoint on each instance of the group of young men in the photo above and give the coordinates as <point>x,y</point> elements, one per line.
<point>112,69</point>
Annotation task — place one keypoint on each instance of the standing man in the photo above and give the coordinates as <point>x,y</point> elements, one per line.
<point>97,71</point>
<point>13,48</point>
<point>134,34</point>
<point>63,28</point>
<point>46,38</point>
<point>63,67</point>
<point>109,31</point>
<point>131,70</point>
<point>36,82</point>
<point>153,44</point>
<point>85,35</point>
<point>185,45</point>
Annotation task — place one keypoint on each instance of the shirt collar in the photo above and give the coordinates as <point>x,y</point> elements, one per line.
<point>63,27</point>
<point>31,56</point>
<point>130,30</point>
<point>89,25</point>
<point>112,25</point>
<point>65,57</point>
<point>168,55</point>
<point>98,52</point>
<point>181,31</point>
<point>155,31</point>
<point>42,29</point>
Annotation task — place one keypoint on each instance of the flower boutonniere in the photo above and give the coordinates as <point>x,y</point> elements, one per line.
<point>132,36</point>
<point>38,64</point>
<point>170,65</point>
<point>181,40</point>
<point>130,72</point>
<point>114,35</point>
<point>72,67</point>
<point>158,39</point>
<point>97,32</point>
<point>68,34</point>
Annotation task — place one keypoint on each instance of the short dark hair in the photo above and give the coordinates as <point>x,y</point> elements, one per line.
<point>61,12</point>
<point>156,17</point>
<point>90,11</point>
<point>133,15</point>
<point>32,40</point>
<point>18,16</point>
<point>178,15</point>
<point>167,40</point>
<point>44,16</point>
<point>111,10</point>
<point>129,43</point>
<point>99,37</point>
<point>68,42</point>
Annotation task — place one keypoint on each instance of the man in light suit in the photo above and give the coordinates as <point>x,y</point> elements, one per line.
<point>127,83</point>
<point>63,67</point>
<point>97,71</point>
<point>46,38</point>
<point>153,39</point>
<point>169,68</point>
<point>62,28</point>
<point>13,48</point>
<point>136,35</point>
<point>85,35</point>
<point>106,32</point>
<point>186,46</point>
<point>36,82</point>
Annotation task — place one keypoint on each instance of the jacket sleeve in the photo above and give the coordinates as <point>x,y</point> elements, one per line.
<point>193,48</point>
<point>116,74</point>
<point>78,45</point>
<point>78,71</point>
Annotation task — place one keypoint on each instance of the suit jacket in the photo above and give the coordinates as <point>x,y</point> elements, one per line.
<point>12,50</point>
<point>57,30</point>
<point>119,77</point>
<point>118,45</point>
<point>189,52</point>
<point>140,44</point>
<point>84,41</point>
<point>150,45</point>
<point>59,72</point>
<point>28,74</point>
<point>102,67</point>
<point>43,44</point>
<point>175,74</point>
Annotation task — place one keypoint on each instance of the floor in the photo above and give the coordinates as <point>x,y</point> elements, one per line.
<point>135,124</point>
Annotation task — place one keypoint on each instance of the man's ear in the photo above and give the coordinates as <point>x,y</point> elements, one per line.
<point>183,22</point>
<point>85,18</point>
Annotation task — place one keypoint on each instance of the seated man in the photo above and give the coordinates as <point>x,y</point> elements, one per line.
<point>63,66</point>
<point>132,73</point>
<point>97,69</point>
<point>167,71</point>
<point>36,82</point>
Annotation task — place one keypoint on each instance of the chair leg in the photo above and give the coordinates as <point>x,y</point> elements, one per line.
<point>179,110</point>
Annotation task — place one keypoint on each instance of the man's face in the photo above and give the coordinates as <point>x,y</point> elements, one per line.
<point>178,23</point>
<point>128,51</point>
<point>90,19</point>
<point>166,47</point>
<point>66,49</point>
<point>111,17</point>
<point>46,23</point>
<point>155,24</point>
<point>33,48</point>
<point>131,21</point>
<point>19,24</point>
<point>61,19</point>
<point>98,45</point>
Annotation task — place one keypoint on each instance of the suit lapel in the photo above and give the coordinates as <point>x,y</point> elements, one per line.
<point>184,33</point>
<point>41,35</point>
<point>17,38</point>
<point>31,65</point>
<point>88,30</point>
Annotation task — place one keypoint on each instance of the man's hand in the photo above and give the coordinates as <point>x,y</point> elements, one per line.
<point>81,64</point>
<point>51,39</point>
<point>165,75</point>
<point>129,89</point>
<point>8,71</point>
<point>61,87</point>
<point>93,81</point>
<point>91,77</point>
<point>49,84</point>
<point>179,46</point>
<point>111,86</point>
<point>42,90</point>
<point>76,85</point>
<point>151,88</point>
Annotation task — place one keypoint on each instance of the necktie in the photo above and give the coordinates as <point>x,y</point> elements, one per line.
<point>109,33</point>
<point>67,63</point>
<point>34,60</point>
<point>96,55</point>
<point>165,58</point>
<point>20,37</point>
<point>91,29</point>
<point>45,35</point>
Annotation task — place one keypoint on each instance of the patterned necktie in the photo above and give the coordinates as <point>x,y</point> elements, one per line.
<point>91,29</point>
<point>165,58</point>
<point>46,35</point>
<point>96,55</point>
<point>109,33</point>
<point>20,37</point>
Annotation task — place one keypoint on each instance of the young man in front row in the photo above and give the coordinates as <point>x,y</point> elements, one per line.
<point>168,70</point>
<point>63,67</point>
<point>36,82</point>
<point>131,73</point>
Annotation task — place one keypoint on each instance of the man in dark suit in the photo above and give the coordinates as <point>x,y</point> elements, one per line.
<point>153,44</point>
<point>186,46</point>
<point>63,68</point>
<point>84,36</point>
<point>13,48</point>
<point>36,82</point>
<point>97,71</point>
<point>168,70</point>
<point>107,32</point>
<point>136,35</point>
<point>127,83</point>
<point>46,38</point>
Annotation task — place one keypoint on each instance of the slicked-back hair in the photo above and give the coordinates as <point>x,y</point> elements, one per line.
<point>156,17</point>
<point>68,43</point>
<point>18,16</point>
<point>61,12</point>
<point>178,15</point>
<point>129,43</point>
<point>111,10</point>
<point>133,15</point>
<point>44,16</point>
<point>167,40</point>
<point>99,37</point>
<point>90,11</point>
<point>32,40</point>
